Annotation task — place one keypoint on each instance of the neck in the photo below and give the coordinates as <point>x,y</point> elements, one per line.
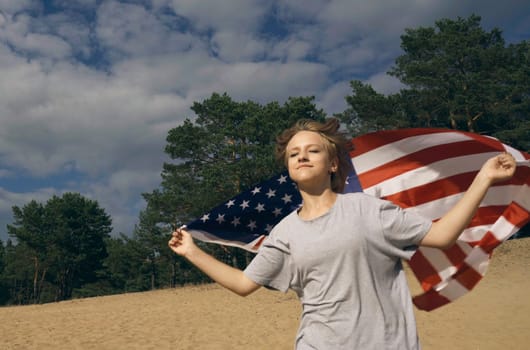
<point>316,204</point>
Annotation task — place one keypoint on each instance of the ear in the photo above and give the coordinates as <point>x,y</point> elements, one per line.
<point>334,166</point>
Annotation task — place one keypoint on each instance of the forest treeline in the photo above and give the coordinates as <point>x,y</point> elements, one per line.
<point>454,75</point>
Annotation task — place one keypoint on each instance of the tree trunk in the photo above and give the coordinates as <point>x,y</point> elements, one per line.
<point>35,280</point>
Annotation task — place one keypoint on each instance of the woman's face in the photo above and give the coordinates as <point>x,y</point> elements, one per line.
<point>308,160</point>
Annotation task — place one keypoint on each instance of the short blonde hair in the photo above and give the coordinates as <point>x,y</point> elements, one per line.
<point>336,143</point>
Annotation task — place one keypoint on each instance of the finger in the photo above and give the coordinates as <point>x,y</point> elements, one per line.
<point>509,161</point>
<point>505,158</point>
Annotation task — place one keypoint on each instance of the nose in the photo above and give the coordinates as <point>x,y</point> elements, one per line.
<point>302,157</point>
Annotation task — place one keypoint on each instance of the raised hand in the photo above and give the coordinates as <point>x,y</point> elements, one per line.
<point>181,242</point>
<point>499,168</point>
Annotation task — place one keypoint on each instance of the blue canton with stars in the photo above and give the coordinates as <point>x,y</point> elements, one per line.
<point>254,213</point>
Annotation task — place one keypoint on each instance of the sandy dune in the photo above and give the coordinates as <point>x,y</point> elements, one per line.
<point>496,315</point>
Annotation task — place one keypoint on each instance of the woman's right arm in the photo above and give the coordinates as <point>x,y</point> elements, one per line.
<point>229,277</point>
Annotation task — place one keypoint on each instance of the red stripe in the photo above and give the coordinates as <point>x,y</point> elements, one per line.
<point>468,276</point>
<point>418,195</point>
<point>430,300</point>
<point>493,143</point>
<point>420,265</point>
<point>420,159</point>
<point>455,254</point>
<point>522,175</point>
<point>517,215</point>
<point>453,185</point>
<point>368,142</point>
<point>487,215</point>
<point>514,214</point>
<point>426,274</point>
<point>258,243</point>
<point>489,242</point>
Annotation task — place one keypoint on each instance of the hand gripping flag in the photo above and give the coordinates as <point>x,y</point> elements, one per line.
<point>422,170</point>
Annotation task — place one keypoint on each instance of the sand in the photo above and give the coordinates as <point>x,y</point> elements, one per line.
<point>495,315</point>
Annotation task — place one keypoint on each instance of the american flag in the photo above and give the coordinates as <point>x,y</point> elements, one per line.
<point>422,170</point>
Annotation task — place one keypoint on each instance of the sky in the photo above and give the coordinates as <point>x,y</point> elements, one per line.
<point>90,88</point>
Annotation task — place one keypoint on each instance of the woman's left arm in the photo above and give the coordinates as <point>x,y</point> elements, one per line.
<point>445,231</point>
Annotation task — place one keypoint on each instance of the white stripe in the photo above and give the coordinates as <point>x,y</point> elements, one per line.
<point>496,196</point>
<point>439,261</point>
<point>427,174</point>
<point>522,196</point>
<point>466,248</point>
<point>478,260</point>
<point>474,234</point>
<point>518,155</point>
<point>435,209</point>
<point>502,229</point>
<point>209,238</point>
<point>452,290</point>
<point>504,195</point>
<point>392,151</point>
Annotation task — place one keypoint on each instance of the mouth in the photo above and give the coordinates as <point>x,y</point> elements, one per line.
<point>303,166</point>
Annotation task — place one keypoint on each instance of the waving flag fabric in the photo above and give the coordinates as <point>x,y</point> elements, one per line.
<point>422,170</point>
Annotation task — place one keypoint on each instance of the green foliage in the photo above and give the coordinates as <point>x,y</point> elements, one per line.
<point>61,246</point>
<point>226,149</point>
<point>370,111</point>
<point>4,288</point>
<point>456,75</point>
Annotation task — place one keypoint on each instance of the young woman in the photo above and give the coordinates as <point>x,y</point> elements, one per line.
<point>341,253</point>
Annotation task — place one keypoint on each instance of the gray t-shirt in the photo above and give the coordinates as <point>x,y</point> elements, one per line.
<point>345,267</point>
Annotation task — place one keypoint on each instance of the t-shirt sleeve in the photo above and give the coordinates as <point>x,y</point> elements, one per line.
<point>403,229</point>
<point>271,266</point>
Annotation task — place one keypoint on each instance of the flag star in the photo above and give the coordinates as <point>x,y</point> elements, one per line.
<point>220,218</point>
<point>205,217</point>
<point>230,203</point>
<point>286,198</point>
<point>236,221</point>
<point>269,228</point>
<point>256,190</point>
<point>271,193</point>
<point>277,212</point>
<point>260,207</point>
<point>244,205</point>
<point>282,179</point>
<point>252,225</point>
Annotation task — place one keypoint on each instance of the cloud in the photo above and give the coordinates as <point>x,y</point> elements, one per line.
<point>228,15</point>
<point>17,32</point>
<point>14,6</point>
<point>231,46</point>
<point>120,195</point>
<point>9,199</point>
<point>73,113</point>
<point>290,49</point>
<point>94,88</point>
<point>333,99</point>
<point>264,82</point>
<point>126,30</point>
<point>385,84</point>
